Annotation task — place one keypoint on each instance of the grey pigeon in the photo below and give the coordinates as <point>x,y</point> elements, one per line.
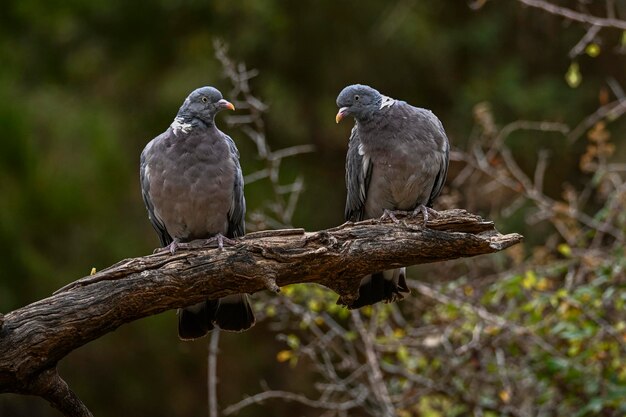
<point>192,186</point>
<point>397,160</point>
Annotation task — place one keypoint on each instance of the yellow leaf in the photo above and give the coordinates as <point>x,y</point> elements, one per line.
<point>564,249</point>
<point>529,280</point>
<point>468,290</point>
<point>93,271</point>
<point>399,333</point>
<point>593,50</point>
<point>573,76</point>
<point>543,284</point>
<point>315,305</point>
<point>284,355</point>
<point>505,396</point>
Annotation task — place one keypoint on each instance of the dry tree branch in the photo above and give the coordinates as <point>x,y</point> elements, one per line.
<point>290,396</point>
<point>34,338</point>
<point>589,36</point>
<point>212,373</point>
<point>611,110</point>
<point>284,197</point>
<point>481,312</point>
<point>374,373</point>
<point>575,16</point>
<point>518,181</point>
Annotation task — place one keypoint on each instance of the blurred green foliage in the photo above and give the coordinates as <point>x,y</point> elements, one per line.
<point>85,85</point>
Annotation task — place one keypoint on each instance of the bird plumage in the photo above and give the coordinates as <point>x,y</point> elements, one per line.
<point>192,186</point>
<point>397,160</point>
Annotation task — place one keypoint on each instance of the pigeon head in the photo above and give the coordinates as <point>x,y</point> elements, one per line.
<point>204,103</point>
<point>359,101</point>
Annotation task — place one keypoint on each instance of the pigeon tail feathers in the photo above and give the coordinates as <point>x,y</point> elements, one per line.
<point>387,286</point>
<point>234,313</point>
<point>193,322</point>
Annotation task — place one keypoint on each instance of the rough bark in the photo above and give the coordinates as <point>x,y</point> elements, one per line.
<point>35,337</point>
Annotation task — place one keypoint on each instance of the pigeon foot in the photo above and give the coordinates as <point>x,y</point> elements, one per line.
<point>173,247</point>
<point>426,213</point>
<point>220,239</point>
<point>389,214</point>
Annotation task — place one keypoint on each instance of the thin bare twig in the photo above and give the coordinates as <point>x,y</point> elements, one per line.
<point>284,198</point>
<point>290,396</point>
<point>574,15</point>
<point>377,382</point>
<point>579,48</point>
<point>212,373</point>
<point>485,315</point>
<point>541,126</point>
<point>613,110</point>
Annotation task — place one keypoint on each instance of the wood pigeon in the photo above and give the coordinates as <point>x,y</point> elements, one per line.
<point>397,160</point>
<point>192,186</point>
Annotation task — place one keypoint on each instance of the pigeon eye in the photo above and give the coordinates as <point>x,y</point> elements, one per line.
<point>205,100</point>
<point>356,98</point>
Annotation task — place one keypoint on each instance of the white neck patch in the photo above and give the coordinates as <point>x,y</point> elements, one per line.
<point>387,102</point>
<point>179,125</point>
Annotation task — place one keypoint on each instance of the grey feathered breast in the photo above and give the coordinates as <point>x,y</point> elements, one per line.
<point>193,186</point>
<point>397,161</point>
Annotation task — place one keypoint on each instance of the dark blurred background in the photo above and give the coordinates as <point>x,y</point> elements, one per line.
<point>85,85</point>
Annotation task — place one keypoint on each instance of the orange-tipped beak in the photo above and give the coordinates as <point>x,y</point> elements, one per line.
<point>226,104</point>
<point>340,114</point>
